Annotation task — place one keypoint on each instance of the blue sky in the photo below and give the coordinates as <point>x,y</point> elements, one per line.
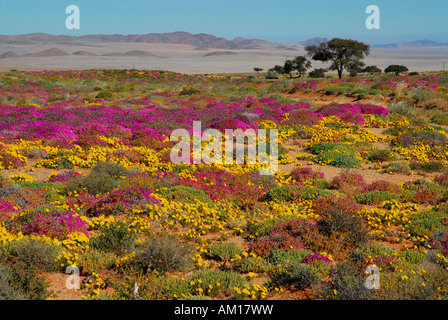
<point>284,21</point>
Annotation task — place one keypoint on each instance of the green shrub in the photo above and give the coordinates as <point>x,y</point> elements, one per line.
<point>317,73</point>
<point>164,253</point>
<point>413,256</point>
<point>332,146</point>
<point>20,282</point>
<point>223,251</point>
<point>429,166</point>
<point>35,252</point>
<point>375,197</point>
<point>424,222</point>
<point>372,249</point>
<point>344,161</point>
<point>284,257</point>
<point>188,91</point>
<point>104,94</point>
<point>252,264</point>
<point>184,194</point>
<point>115,237</point>
<point>260,229</point>
<point>296,276</point>
<point>103,178</point>
<point>227,280</point>
<point>281,194</point>
<point>93,260</point>
<point>346,283</point>
<point>381,155</point>
<point>439,119</point>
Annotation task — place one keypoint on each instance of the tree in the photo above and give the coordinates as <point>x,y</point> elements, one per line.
<point>278,69</point>
<point>288,67</point>
<point>396,68</point>
<point>371,70</point>
<point>299,64</point>
<point>342,53</point>
<point>257,70</point>
<point>318,73</point>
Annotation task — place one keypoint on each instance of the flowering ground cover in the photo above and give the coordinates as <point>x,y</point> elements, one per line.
<point>87,181</point>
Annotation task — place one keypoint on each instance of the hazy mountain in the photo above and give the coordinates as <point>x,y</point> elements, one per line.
<point>201,40</point>
<point>220,53</point>
<point>313,41</point>
<point>133,53</point>
<point>417,43</point>
<point>52,52</point>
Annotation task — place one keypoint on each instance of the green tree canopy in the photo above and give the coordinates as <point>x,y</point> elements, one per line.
<point>341,53</point>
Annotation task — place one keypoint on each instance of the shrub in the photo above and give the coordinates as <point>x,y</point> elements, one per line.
<point>412,256</point>
<point>431,138</point>
<point>347,283</point>
<point>116,237</point>
<point>383,185</point>
<point>64,176</point>
<point>184,194</point>
<point>375,197</point>
<point>103,178</point>
<point>439,119</point>
<point>35,252</point>
<point>53,224</point>
<point>428,166</point>
<point>340,215</point>
<point>283,257</point>
<point>19,282</point>
<point>283,193</point>
<point>93,260</point>
<point>331,146</point>
<point>352,179</point>
<point>424,222</point>
<point>223,251</point>
<point>264,228</point>
<point>372,249</point>
<point>425,198</point>
<point>227,280</point>
<point>164,253</point>
<point>303,174</point>
<point>296,276</point>
<point>344,161</point>
<point>442,179</point>
<point>317,73</point>
<point>381,155</point>
<point>8,287</point>
<point>120,201</point>
<point>252,264</point>
<point>349,183</point>
<point>266,182</point>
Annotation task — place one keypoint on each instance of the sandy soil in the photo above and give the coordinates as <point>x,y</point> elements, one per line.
<point>186,59</point>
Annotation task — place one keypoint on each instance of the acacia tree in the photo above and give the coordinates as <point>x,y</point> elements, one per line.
<point>341,53</point>
<point>397,69</point>
<point>301,64</point>
<point>371,70</point>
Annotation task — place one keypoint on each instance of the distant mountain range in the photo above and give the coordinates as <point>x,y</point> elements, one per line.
<point>418,43</point>
<point>201,41</point>
<point>56,52</point>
